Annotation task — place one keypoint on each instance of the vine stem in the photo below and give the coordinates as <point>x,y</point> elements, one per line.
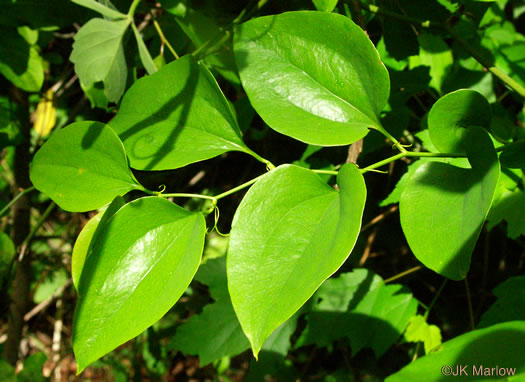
<point>132,8</point>
<point>410,154</point>
<point>404,273</point>
<point>18,196</point>
<point>504,77</point>
<point>164,40</point>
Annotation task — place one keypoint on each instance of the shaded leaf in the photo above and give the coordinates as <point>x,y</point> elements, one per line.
<point>100,8</point>
<point>20,61</point>
<point>513,155</point>
<point>184,119</point>
<point>145,57</point>
<point>510,305</point>
<point>443,207</point>
<point>98,55</point>
<point>509,207</point>
<point>452,114</point>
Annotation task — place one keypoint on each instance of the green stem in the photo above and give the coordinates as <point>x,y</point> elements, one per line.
<point>20,194</point>
<point>132,8</point>
<point>27,240</point>
<point>410,154</point>
<point>436,296</point>
<point>238,188</point>
<point>500,74</point>
<point>327,172</point>
<point>164,39</point>
<point>402,274</point>
<point>245,14</point>
<point>269,164</point>
<point>394,140</point>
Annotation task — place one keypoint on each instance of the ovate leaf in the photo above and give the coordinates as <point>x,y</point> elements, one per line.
<point>308,82</point>
<point>85,238</point>
<point>510,305</point>
<point>141,263</point>
<point>289,234</point>
<point>7,253</point>
<point>83,167</point>
<point>486,354</point>
<point>418,330</point>
<point>443,207</point>
<point>452,114</point>
<point>184,118</point>
<point>98,55</point>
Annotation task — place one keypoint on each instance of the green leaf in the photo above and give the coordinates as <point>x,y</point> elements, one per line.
<point>513,155</point>
<point>83,167</point>
<point>359,306</point>
<point>213,334</point>
<point>20,61</point>
<point>100,8</point>
<point>98,55</point>
<point>145,57</point>
<point>32,371</point>
<point>435,53</point>
<point>307,82</point>
<point>7,372</point>
<point>443,207</point>
<point>452,114</point>
<point>289,234</point>
<point>203,27</point>
<point>85,240</point>
<point>184,118</point>
<point>509,207</point>
<point>216,332</point>
<point>510,304</point>
<point>488,354</point>
<point>325,5</point>
<point>50,285</point>
<point>418,330</point>
<point>7,253</point>
<point>142,261</point>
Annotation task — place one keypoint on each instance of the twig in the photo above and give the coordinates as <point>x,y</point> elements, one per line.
<point>402,274</point>
<point>44,304</point>
<point>368,247</point>
<point>380,217</point>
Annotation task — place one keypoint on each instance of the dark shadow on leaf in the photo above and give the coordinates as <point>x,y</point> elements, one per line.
<point>14,50</point>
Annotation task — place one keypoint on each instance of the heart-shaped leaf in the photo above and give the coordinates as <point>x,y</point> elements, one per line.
<point>184,118</point>
<point>83,167</point>
<point>308,82</point>
<point>452,114</point>
<point>142,261</point>
<point>443,207</point>
<point>289,234</point>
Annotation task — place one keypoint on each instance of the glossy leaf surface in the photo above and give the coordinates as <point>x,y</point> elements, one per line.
<point>308,82</point>
<point>98,55</point>
<point>83,167</point>
<point>289,234</point>
<point>452,114</point>
<point>184,119</point>
<point>482,349</point>
<point>443,207</point>
<point>141,263</point>
<point>85,239</point>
